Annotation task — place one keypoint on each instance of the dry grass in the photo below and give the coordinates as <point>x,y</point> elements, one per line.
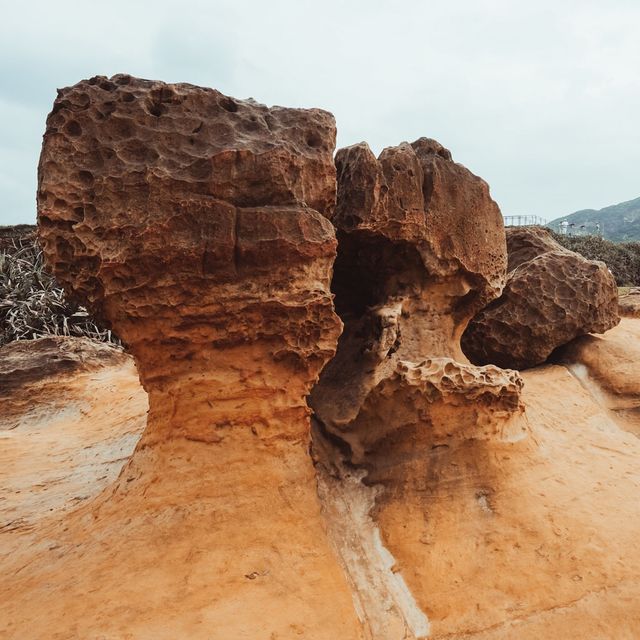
<point>33,304</point>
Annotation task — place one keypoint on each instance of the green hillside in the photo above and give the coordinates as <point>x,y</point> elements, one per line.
<point>619,222</point>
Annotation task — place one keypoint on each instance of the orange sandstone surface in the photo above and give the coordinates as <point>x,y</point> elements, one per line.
<point>520,542</point>
<point>297,446</point>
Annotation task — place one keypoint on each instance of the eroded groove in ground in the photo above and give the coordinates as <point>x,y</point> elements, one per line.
<point>383,602</point>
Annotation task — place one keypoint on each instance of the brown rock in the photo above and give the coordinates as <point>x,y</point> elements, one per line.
<point>552,296</point>
<point>195,224</point>
<point>192,223</point>
<point>415,212</point>
<point>421,249</point>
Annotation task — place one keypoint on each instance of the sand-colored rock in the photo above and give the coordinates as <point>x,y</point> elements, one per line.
<point>195,225</point>
<point>25,362</point>
<point>529,539</point>
<point>552,296</point>
<point>532,539</point>
<point>72,413</point>
<point>629,303</point>
<point>608,368</point>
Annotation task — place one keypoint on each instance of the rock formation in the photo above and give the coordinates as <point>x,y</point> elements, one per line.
<point>197,226</point>
<point>552,295</point>
<point>26,361</point>
<point>420,249</point>
<point>629,303</point>
<point>72,410</point>
<point>193,224</point>
<point>607,368</point>
<point>203,229</point>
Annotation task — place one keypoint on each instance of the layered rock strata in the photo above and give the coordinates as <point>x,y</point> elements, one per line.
<point>552,296</point>
<point>24,362</point>
<point>196,225</point>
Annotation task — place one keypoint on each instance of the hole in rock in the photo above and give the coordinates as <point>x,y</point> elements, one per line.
<point>86,177</point>
<point>156,109</point>
<point>228,105</point>
<point>107,85</point>
<point>314,141</point>
<point>73,128</point>
<point>369,269</point>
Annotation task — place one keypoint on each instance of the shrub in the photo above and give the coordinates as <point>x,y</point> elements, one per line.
<point>33,304</point>
<point>623,259</point>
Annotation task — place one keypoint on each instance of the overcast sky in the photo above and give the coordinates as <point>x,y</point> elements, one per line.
<point>541,99</point>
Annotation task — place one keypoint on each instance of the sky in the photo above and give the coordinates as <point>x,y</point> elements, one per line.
<point>541,99</point>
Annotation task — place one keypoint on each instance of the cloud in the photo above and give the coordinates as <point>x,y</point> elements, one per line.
<point>540,99</point>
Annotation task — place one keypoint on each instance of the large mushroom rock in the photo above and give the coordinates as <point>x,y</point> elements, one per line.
<point>552,296</point>
<point>421,248</point>
<point>196,226</point>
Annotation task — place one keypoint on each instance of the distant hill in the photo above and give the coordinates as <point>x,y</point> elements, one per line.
<point>619,222</point>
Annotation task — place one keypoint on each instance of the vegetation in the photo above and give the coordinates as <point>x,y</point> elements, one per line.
<point>33,304</point>
<point>619,222</point>
<point>623,259</point>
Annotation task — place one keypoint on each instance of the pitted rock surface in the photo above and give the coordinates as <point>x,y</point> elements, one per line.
<point>437,217</point>
<point>438,401</point>
<point>421,249</point>
<point>526,243</point>
<point>195,224</point>
<point>198,226</point>
<point>552,296</point>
